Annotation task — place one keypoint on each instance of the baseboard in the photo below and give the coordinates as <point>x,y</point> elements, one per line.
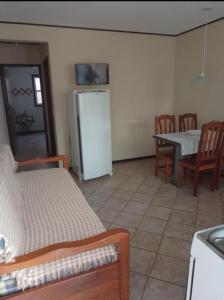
<point>134,158</point>
<point>125,160</point>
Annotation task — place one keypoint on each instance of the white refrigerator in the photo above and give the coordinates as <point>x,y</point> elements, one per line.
<point>90,133</point>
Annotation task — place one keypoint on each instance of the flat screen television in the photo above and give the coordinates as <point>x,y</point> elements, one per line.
<point>87,74</point>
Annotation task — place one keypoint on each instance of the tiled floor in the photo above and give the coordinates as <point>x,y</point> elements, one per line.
<point>161,220</point>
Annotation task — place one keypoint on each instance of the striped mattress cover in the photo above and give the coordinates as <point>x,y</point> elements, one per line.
<point>55,210</point>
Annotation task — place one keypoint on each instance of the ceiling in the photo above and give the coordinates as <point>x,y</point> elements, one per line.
<point>159,17</point>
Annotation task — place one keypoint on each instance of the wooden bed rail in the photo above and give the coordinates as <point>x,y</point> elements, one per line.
<point>58,251</point>
<point>110,281</point>
<point>43,160</point>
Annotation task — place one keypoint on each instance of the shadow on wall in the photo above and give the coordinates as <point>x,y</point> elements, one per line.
<point>135,135</point>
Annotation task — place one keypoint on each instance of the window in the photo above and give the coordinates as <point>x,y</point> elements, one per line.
<point>37,90</point>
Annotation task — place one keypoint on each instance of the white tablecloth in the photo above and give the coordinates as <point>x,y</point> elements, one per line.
<point>189,142</point>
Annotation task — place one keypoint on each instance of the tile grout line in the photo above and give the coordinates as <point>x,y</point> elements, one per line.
<point>148,274</point>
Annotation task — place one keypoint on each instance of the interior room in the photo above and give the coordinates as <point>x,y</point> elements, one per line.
<point>24,93</point>
<point>111,150</point>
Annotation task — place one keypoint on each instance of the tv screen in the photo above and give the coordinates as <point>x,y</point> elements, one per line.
<point>92,73</point>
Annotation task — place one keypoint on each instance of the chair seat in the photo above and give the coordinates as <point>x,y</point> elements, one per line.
<point>190,163</point>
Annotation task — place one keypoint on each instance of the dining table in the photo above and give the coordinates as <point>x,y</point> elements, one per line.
<point>185,143</point>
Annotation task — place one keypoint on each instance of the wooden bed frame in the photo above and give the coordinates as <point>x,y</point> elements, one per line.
<point>108,282</point>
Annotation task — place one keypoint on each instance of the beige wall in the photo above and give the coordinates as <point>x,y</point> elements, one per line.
<point>141,79</point>
<point>206,100</point>
<point>19,54</point>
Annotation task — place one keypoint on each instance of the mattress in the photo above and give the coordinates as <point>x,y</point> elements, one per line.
<point>55,210</point>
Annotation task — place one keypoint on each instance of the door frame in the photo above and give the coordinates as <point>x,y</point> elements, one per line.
<point>49,111</point>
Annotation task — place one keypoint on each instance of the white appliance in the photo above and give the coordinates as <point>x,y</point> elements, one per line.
<point>206,271</point>
<point>90,133</point>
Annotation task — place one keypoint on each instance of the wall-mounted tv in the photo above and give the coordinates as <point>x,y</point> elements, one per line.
<point>87,74</point>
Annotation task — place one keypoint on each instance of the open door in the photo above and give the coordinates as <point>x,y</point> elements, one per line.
<point>48,108</point>
<point>10,112</point>
<point>29,111</point>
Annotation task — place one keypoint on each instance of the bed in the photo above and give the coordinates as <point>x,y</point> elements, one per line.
<point>61,250</point>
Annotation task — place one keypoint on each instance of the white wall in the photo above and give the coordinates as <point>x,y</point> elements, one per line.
<point>206,100</point>
<point>141,79</point>
<point>21,77</point>
<point>4,137</point>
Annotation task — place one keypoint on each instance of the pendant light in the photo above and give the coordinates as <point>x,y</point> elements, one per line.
<point>202,78</point>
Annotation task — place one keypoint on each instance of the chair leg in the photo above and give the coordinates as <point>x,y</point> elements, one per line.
<point>195,183</point>
<point>214,180</point>
<point>167,170</point>
<point>217,178</point>
<point>156,166</point>
<point>180,175</point>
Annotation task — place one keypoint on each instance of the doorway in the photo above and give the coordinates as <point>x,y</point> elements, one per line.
<point>28,111</point>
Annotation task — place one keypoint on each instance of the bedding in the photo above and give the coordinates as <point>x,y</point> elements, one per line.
<point>11,224</point>
<point>54,210</point>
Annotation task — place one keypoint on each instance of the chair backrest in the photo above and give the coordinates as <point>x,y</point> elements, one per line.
<point>187,121</point>
<point>210,142</point>
<point>164,124</point>
<point>221,155</point>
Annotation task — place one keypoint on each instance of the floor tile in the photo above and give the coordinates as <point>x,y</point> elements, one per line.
<point>162,238</point>
<point>115,203</point>
<point>158,212</point>
<point>207,220</point>
<point>170,269</point>
<point>130,229</point>
<point>210,209</point>
<point>95,200</point>
<point>147,190</point>
<point>88,189</point>
<point>137,285</point>
<point>183,217</point>
<point>136,179</point>
<point>153,181</point>
<point>131,187</point>
<point>107,215</point>
<point>174,247</point>
<point>163,201</point>
<point>168,191</point>
<point>141,198</point>
<point>112,184</point>
<point>160,290</point>
<point>95,208</point>
<point>104,192</point>
<point>152,225</point>
<point>136,208</point>
<point>141,261</point>
<point>146,240</point>
<point>180,230</point>
<point>183,204</point>
<point>106,224</point>
<point>121,194</point>
<point>127,219</point>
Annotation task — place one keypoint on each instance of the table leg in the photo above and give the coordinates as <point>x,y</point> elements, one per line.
<point>177,156</point>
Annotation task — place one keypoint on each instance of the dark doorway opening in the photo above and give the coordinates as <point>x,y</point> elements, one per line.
<point>28,106</point>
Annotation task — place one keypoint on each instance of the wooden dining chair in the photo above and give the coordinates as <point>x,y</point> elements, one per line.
<point>164,150</point>
<point>207,156</point>
<point>220,164</point>
<point>187,121</point>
